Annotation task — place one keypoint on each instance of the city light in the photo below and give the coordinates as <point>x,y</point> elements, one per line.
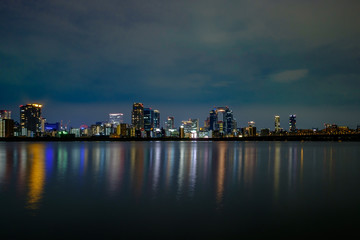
<point>146,124</point>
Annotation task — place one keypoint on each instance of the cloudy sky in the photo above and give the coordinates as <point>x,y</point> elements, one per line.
<point>84,59</point>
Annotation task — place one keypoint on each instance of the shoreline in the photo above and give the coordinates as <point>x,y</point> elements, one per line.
<point>315,138</point>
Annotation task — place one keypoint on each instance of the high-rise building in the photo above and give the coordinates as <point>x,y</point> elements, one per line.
<point>224,124</point>
<point>170,123</point>
<point>148,119</point>
<point>228,121</point>
<point>292,123</point>
<point>5,114</point>
<point>30,119</point>
<point>251,129</point>
<point>156,118</point>
<point>191,128</point>
<point>137,116</point>
<point>115,118</point>
<point>277,124</point>
<point>6,128</point>
<point>213,119</point>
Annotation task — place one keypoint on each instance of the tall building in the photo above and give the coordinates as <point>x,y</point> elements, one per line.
<point>6,128</point>
<point>5,114</point>
<point>213,119</point>
<point>156,118</point>
<point>137,116</point>
<point>292,123</point>
<point>228,121</point>
<point>30,119</point>
<point>170,123</point>
<point>277,124</point>
<point>116,118</point>
<point>251,129</point>
<point>148,119</point>
<point>224,123</point>
<point>191,128</point>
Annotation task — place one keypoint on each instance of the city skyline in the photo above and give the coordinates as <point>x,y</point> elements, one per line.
<point>266,122</point>
<point>148,119</point>
<point>261,58</point>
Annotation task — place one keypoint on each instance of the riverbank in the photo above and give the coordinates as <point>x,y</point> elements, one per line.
<point>338,137</point>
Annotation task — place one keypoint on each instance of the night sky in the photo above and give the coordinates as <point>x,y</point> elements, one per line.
<point>85,59</point>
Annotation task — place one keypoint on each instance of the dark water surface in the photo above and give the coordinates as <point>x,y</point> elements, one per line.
<point>189,190</point>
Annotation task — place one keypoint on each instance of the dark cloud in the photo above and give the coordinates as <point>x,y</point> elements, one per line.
<point>250,55</point>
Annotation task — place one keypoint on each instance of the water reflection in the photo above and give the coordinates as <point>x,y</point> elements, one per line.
<point>183,170</point>
<point>276,170</point>
<point>220,173</point>
<point>37,175</point>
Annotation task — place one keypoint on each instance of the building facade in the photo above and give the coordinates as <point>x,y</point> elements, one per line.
<point>277,124</point>
<point>148,119</point>
<point>6,128</point>
<point>224,124</point>
<point>156,118</point>
<point>170,123</point>
<point>115,118</point>
<point>191,128</point>
<point>292,123</point>
<point>137,116</point>
<point>5,114</point>
<point>30,119</point>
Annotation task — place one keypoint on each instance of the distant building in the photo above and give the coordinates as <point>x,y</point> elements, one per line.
<point>250,130</point>
<point>121,130</point>
<point>264,132</point>
<point>84,131</point>
<point>76,132</point>
<point>96,129</point>
<point>225,124</point>
<point>213,119</point>
<point>229,121</point>
<point>277,124</point>
<point>207,123</point>
<point>137,116</point>
<point>182,132</point>
<point>107,129</point>
<point>191,128</point>
<point>30,119</point>
<point>115,118</point>
<point>5,114</point>
<point>6,128</point>
<point>148,119</point>
<point>156,118</point>
<point>49,127</point>
<point>170,123</point>
<point>292,123</point>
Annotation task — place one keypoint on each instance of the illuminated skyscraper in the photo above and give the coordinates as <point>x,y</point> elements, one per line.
<point>170,123</point>
<point>213,119</point>
<point>224,124</point>
<point>277,124</point>
<point>228,121</point>
<point>5,114</point>
<point>148,119</point>
<point>292,123</point>
<point>191,128</point>
<point>137,116</point>
<point>156,119</point>
<point>30,119</point>
<point>116,118</point>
